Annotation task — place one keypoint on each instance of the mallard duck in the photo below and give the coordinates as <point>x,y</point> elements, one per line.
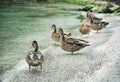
<point>34,57</point>
<point>86,24</point>
<point>85,29</point>
<point>71,45</point>
<point>98,26</point>
<point>90,14</point>
<point>95,19</point>
<point>56,36</point>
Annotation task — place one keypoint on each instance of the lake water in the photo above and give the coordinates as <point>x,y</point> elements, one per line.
<point>20,25</point>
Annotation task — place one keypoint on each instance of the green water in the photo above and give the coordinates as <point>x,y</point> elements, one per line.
<point>20,25</point>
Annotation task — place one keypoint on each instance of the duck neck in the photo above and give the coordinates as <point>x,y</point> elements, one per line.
<point>62,38</point>
<point>54,30</point>
<point>91,21</point>
<point>88,20</point>
<point>36,48</point>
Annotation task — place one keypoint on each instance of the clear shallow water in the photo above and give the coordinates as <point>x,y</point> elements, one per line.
<point>20,25</point>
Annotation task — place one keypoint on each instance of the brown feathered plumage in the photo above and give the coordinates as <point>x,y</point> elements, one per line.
<point>56,35</point>
<point>72,44</point>
<point>35,57</point>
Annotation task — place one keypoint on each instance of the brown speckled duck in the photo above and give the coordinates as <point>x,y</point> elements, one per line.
<point>71,45</point>
<point>56,36</point>
<point>93,17</point>
<point>98,25</point>
<point>34,57</point>
<point>85,29</point>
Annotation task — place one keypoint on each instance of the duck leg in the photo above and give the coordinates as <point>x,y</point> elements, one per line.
<point>29,68</point>
<point>40,66</point>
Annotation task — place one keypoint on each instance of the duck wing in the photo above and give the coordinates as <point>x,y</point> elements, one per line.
<point>102,24</point>
<point>67,34</point>
<point>56,34</point>
<point>76,41</point>
<point>72,40</point>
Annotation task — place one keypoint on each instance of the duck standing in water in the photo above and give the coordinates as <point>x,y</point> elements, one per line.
<point>56,35</point>
<point>34,57</point>
<point>70,45</point>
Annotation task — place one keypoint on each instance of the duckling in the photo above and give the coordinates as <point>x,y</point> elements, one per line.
<point>34,57</point>
<point>56,36</point>
<point>98,26</point>
<point>69,45</point>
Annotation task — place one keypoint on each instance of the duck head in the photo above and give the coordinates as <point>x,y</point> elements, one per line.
<point>90,14</point>
<point>61,34</point>
<point>54,28</point>
<point>60,31</point>
<point>35,46</point>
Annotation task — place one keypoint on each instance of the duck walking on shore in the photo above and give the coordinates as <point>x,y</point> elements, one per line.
<point>71,45</point>
<point>85,29</point>
<point>56,35</point>
<point>98,26</point>
<point>34,57</point>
